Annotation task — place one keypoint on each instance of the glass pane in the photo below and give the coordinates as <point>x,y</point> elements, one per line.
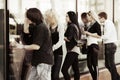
<point>2,39</point>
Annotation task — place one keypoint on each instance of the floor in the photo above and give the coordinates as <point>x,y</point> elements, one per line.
<point>103,75</point>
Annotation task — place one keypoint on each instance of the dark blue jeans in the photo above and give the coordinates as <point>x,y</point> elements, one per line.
<point>110,50</point>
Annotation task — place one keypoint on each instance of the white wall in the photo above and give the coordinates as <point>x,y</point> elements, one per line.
<point>2,4</point>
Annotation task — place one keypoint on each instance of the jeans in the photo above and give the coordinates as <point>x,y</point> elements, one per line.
<point>110,50</point>
<point>92,60</point>
<point>56,67</point>
<point>41,72</point>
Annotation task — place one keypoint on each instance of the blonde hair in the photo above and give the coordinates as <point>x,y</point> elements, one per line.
<point>50,17</point>
<point>93,15</point>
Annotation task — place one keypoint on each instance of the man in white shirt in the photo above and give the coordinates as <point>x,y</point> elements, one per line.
<point>109,38</point>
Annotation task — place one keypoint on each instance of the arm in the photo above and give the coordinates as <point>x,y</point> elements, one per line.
<point>37,40</point>
<point>65,38</point>
<point>31,47</point>
<point>92,34</point>
<point>97,33</point>
<point>27,47</point>
<point>61,37</point>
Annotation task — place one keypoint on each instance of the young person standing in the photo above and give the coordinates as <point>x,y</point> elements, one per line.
<point>109,38</point>
<point>73,50</point>
<point>41,44</point>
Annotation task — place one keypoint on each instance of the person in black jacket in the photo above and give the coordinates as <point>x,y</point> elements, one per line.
<point>93,34</point>
<point>73,50</point>
<point>41,44</point>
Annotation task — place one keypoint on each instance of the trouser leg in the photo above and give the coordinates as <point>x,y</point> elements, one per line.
<point>56,67</point>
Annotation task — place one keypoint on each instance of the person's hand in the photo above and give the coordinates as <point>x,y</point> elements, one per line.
<point>16,45</point>
<point>19,46</point>
<point>87,33</point>
<point>65,38</point>
<point>84,32</point>
<point>53,48</point>
<point>12,44</point>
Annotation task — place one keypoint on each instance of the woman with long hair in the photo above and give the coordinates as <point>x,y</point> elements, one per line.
<point>93,34</point>
<point>73,50</point>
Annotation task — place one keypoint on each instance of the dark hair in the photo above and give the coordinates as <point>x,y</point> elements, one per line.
<point>34,15</point>
<point>103,14</point>
<point>84,15</point>
<point>73,17</point>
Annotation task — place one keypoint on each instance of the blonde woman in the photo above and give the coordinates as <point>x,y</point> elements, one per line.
<point>93,34</point>
<point>57,34</point>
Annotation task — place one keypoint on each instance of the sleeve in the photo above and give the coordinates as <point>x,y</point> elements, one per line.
<point>107,31</point>
<point>98,30</point>
<point>61,37</point>
<point>26,38</point>
<point>39,34</point>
